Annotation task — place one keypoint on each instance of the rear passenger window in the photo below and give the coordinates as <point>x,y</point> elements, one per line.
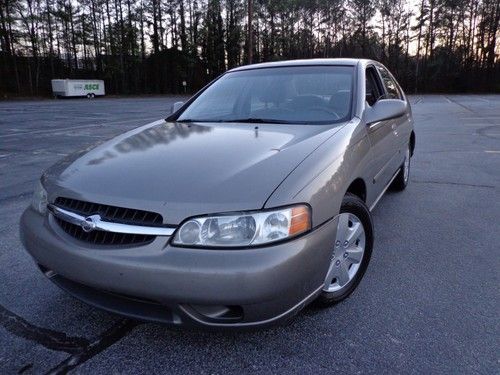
<point>390,85</point>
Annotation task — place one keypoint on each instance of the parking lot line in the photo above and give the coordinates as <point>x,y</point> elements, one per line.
<point>481,118</point>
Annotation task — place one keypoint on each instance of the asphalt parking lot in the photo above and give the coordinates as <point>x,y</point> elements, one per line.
<point>429,303</point>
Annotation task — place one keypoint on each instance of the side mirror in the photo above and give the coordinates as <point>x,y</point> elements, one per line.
<point>176,106</point>
<point>385,109</point>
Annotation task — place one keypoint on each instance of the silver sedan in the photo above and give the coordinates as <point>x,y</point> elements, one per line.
<point>248,202</point>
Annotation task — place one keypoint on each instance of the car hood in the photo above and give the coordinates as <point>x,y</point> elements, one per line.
<point>181,170</point>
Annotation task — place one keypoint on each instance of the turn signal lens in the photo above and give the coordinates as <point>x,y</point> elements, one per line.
<point>301,220</point>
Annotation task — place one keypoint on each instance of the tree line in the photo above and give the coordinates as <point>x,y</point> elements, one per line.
<point>152,46</point>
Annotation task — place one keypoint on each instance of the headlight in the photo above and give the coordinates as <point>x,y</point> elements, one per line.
<point>39,201</point>
<point>245,228</point>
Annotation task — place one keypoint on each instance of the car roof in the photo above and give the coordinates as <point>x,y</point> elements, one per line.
<point>302,62</point>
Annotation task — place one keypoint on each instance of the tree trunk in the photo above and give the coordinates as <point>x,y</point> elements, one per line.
<point>250,32</point>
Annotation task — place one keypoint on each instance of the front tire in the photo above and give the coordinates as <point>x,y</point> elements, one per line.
<point>351,251</point>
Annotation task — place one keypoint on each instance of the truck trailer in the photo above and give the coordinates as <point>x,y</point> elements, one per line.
<point>77,87</point>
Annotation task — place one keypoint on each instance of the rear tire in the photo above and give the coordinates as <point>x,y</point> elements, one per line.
<point>351,251</point>
<point>403,178</point>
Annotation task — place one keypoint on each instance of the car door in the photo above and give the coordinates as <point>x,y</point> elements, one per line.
<point>400,126</point>
<point>381,137</point>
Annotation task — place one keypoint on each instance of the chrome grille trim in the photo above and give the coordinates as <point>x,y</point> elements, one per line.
<point>107,226</point>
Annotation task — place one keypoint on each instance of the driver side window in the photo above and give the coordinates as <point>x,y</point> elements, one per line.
<point>373,90</point>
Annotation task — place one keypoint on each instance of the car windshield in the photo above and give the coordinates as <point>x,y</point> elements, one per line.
<point>288,95</point>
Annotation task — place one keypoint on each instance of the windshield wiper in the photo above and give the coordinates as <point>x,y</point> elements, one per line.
<point>248,120</point>
<point>256,120</point>
<point>188,120</point>
<point>199,120</point>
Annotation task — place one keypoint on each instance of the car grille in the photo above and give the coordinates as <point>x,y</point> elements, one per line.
<point>108,213</point>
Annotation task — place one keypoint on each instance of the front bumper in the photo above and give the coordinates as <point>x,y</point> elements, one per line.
<point>159,282</point>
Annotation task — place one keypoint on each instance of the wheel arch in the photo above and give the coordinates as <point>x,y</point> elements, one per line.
<point>412,142</point>
<point>358,188</point>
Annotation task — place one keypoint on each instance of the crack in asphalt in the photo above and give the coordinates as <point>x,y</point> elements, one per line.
<point>81,349</point>
<point>25,368</point>
<point>48,338</point>
<point>104,341</point>
<point>453,183</point>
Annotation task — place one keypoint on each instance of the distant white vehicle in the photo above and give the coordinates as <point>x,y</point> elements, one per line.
<point>77,87</point>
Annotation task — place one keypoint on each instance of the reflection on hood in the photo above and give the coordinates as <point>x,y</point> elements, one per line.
<point>159,135</point>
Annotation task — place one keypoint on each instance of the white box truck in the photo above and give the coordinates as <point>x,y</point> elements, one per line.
<point>77,87</point>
